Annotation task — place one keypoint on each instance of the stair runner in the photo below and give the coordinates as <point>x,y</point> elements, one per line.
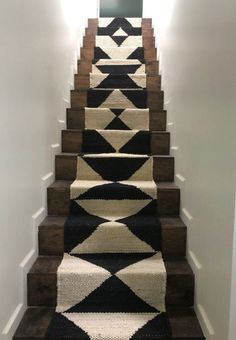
<point>111,283</point>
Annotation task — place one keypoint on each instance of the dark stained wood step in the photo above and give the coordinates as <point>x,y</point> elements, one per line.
<point>35,322</point>
<point>42,282</point>
<point>146,32</point>
<point>82,82</point>
<point>66,167</point>
<point>146,23</point>
<point>148,41</point>
<point>88,54</point>
<point>155,99</point>
<point>51,237</point>
<point>58,197</point>
<point>72,142</point>
<point>76,120</point>
<point>85,67</point>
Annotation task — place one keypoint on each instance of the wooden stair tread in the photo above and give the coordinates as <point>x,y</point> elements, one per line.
<point>66,166</point>
<point>72,141</point>
<point>66,185</point>
<point>42,282</point>
<point>76,154</point>
<point>76,119</point>
<point>49,265</point>
<point>51,237</point>
<point>35,322</point>
<point>58,222</point>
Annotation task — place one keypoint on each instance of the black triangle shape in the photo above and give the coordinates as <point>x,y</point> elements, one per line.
<point>106,30</point>
<point>100,54</point>
<point>119,39</point>
<point>117,124</point>
<point>117,112</point>
<point>119,81</point>
<point>115,168</point>
<point>139,144</point>
<point>137,97</point>
<point>158,328</point>
<point>93,142</point>
<point>133,31</point>
<point>113,296</point>
<point>78,228</point>
<point>118,69</point>
<point>114,262</point>
<point>60,328</point>
<point>146,226</point>
<point>114,191</point>
<point>120,23</point>
<point>96,97</point>
<point>138,53</point>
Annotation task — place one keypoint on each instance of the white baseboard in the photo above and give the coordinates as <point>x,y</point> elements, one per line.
<point>193,261</point>
<point>12,324</point>
<point>203,318</point>
<point>205,323</point>
<point>186,215</point>
<point>18,313</point>
<point>25,266</point>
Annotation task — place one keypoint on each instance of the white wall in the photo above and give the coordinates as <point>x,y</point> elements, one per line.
<point>39,41</point>
<point>198,53</point>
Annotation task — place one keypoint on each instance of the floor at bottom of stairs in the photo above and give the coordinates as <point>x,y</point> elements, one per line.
<point>34,324</point>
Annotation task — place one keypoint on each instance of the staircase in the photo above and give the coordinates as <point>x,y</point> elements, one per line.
<point>42,278</point>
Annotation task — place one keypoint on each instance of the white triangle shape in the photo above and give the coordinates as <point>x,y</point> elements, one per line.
<point>105,41</point>
<point>145,173</point>
<point>141,69</point>
<point>117,138</point>
<point>95,79</point>
<point>135,41</point>
<point>148,187</point>
<point>120,62</point>
<point>119,52</point>
<point>74,281</point>
<point>98,118</point>
<point>113,209</point>
<point>147,279</point>
<point>95,70</point>
<point>117,100</point>
<point>135,22</point>
<point>118,239</point>
<point>106,326</point>
<point>139,79</point>
<point>85,172</point>
<point>79,187</point>
<point>104,22</point>
<point>136,118</point>
<point>120,33</point>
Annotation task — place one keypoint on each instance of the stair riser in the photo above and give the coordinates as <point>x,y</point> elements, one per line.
<point>148,42</point>
<point>154,100</point>
<point>42,290</point>
<point>51,242</point>
<point>183,322</point>
<point>72,142</point>
<point>146,23</point>
<point>87,54</point>
<point>76,120</point>
<point>91,32</point>
<point>85,67</point>
<point>66,167</point>
<point>59,201</point>
<point>83,82</point>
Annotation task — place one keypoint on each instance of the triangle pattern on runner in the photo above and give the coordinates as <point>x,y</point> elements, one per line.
<point>111,283</point>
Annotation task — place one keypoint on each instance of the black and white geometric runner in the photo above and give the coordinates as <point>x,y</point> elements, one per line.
<point>111,283</point>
